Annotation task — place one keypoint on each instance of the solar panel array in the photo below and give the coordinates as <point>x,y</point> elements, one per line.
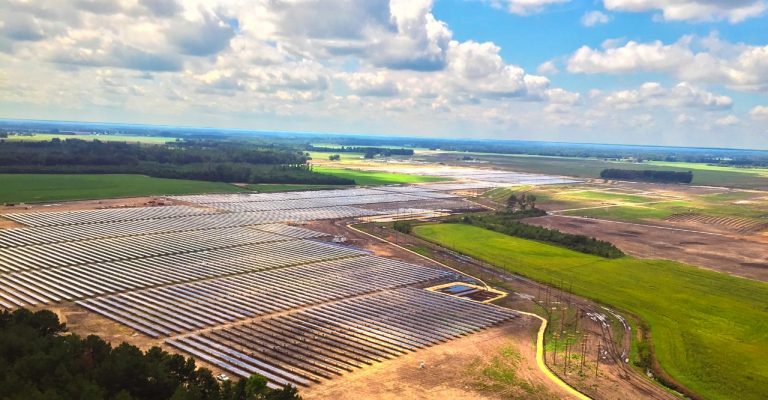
<point>329,340</point>
<point>54,234</point>
<point>126,248</point>
<point>315,203</point>
<point>229,284</point>
<point>279,196</point>
<point>43,286</point>
<point>104,215</point>
<point>186,307</point>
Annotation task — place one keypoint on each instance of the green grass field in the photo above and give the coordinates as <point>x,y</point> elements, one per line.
<point>346,158</point>
<point>376,177</point>
<point>31,188</point>
<point>41,137</point>
<point>710,330</point>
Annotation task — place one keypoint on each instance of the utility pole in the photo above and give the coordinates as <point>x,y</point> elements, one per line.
<point>597,363</point>
<point>554,351</point>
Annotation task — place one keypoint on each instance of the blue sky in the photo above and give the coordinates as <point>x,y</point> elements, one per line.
<point>667,72</point>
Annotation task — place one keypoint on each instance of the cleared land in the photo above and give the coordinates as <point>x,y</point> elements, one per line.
<point>634,202</point>
<point>703,174</point>
<point>286,187</point>
<point>709,329</point>
<point>494,364</point>
<point>740,256</point>
<point>377,178</point>
<point>35,188</point>
<point>43,137</point>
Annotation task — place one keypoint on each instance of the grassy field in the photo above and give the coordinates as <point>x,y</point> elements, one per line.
<point>31,188</point>
<point>346,158</point>
<point>376,177</point>
<point>287,187</point>
<point>710,330</point>
<point>40,137</point>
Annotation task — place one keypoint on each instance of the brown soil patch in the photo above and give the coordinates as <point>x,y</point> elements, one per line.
<point>86,205</point>
<point>8,224</point>
<point>449,372</point>
<point>720,252</point>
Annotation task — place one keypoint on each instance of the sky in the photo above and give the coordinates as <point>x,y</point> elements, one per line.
<point>660,72</point>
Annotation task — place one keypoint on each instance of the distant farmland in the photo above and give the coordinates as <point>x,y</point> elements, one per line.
<point>30,188</point>
<point>41,137</point>
<point>708,328</point>
<point>376,177</point>
<point>703,174</point>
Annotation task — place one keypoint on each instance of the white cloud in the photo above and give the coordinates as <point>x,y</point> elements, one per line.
<point>653,94</point>
<point>595,17</point>
<point>705,60</point>
<point>371,84</point>
<point>693,10</point>
<point>344,66</point>
<point>526,7</point>
<point>759,113</point>
<point>547,68</point>
<point>728,120</point>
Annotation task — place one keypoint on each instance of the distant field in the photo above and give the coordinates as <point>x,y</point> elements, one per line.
<point>345,157</point>
<point>622,203</point>
<point>703,174</point>
<point>40,137</point>
<point>30,188</point>
<point>375,177</point>
<point>279,187</point>
<point>709,329</point>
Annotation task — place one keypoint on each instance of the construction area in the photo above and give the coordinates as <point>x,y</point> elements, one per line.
<point>236,281</point>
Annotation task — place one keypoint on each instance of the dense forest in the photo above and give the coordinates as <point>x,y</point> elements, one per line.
<point>209,160</point>
<point>648,175</point>
<point>507,222</point>
<point>39,360</point>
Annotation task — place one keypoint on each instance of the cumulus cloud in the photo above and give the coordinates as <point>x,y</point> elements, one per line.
<point>478,67</point>
<point>208,35</point>
<point>653,94</point>
<point>759,113</point>
<point>527,7</point>
<point>728,120</point>
<point>387,65</point>
<point>547,68</point>
<point>593,18</point>
<point>371,84</point>
<point>693,10</point>
<point>707,60</point>
<point>162,8</point>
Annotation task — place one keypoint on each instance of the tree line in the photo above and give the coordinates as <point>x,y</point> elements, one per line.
<point>207,160</point>
<point>507,222</point>
<point>647,175</point>
<point>39,360</point>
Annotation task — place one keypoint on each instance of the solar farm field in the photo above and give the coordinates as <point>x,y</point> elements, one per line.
<point>708,328</point>
<point>233,281</point>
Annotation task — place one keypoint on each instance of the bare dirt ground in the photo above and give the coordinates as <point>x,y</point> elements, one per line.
<point>745,256</point>
<point>83,323</point>
<point>85,205</point>
<point>615,379</point>
<point>452,371</point>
